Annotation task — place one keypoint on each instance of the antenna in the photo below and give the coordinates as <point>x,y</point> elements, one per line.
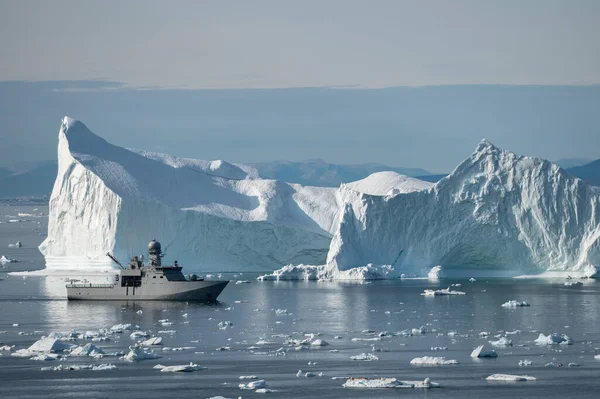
<point>115,260</point>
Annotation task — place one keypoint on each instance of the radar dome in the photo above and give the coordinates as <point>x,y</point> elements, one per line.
<point>154,247</point>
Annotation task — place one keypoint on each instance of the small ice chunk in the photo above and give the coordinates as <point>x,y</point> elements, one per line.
<point>472,280</point>
<point>181,368</point>
<point>573,283</point>
<point>481,351</point>
<point>248,377</point>
<point>503,342</point>
<point>433,361</point>
<point>553,339</point>
<point>441,292</point>
<point>366,357</point>
<point>254,385</point>
<point>513,304</point>
<point>319,342</point>
<point>525,363</point>
<point>152,341</point>
<point>87,350</point>
<point>360,382</point>
<point>139,334</point>
<point>119,328</point>
<point>510,377</point>
<point>137,353</point>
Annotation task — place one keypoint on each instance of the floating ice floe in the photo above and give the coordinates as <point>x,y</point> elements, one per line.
<point>139,334</point>
<point>443,291</point>
<point>433,361</point>
<point>472,280</point>
<point>435,273</point>
<point>481,351</point>
<point>573,283</point>
<point>46,357</point>
<point>137,353</point>
<point>319,342</point>
<point>359,382</point>
<point>242,282</point>
<point>510,377</point>
<point>224,324</point>
<point>553,339</point>
<point>366,357</point>
<point>439,348</point>
<point>502,342</point>
<point>4,260</point>
<point>119,328</point>
<point>93,367</point>
<point>248,377</point>
<point>514,304</point>
<point>186,368</point>
<point>87,350</point>
<point>15,245</point>
<point>254,385</point>
<point>44,345</point>
<point>525,363</point>
<point>152,341</point>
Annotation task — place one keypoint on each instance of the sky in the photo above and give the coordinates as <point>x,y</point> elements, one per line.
<point>264,80</point>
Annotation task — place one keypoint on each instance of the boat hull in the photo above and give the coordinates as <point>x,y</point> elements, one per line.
<point>197,291</point>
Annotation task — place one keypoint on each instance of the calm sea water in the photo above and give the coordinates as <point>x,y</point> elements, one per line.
<point>346,310</point>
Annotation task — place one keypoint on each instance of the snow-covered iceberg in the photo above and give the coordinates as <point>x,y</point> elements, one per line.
<point>496,213</point>
<point>211,215</point>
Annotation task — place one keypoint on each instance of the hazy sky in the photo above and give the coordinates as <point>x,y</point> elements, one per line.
<point>248,44</point>
<point>204,79</point>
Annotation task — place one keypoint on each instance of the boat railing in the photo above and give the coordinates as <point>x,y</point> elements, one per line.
<point>89,285</point>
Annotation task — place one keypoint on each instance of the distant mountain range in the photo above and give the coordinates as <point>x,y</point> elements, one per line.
<point>32,179</point>
<point>318,172</point>
<point>589,172</point>
<point>35,179</point>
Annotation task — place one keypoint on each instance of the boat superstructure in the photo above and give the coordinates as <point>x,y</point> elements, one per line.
<point>153,281</point>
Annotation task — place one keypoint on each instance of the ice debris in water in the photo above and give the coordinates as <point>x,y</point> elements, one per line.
<point>224,324</point>
<point>513,304</point>
<point>4,260</point>
<point>359,382</point>
<point>137,353</point>
<point>432,361</point>
<point>119,328</point>
<point>553,339</point>
<point>152,341</point>
<point>179,368</point>
<point>139,334</point>
<point>510,377</point>
<point>254,385</point>
<point>481,351</point>
<point>93,367</point>
<point>367,357</point>
<point>87,350</point>
<point>502,342</point>
<point>44,345</point>
<point>248,377</point>
<point>319,342</point>
<point>443,291</point>
<point>15,245</point>
<point>472,280</point>
<point>573,283</point>
<point>525,363</point>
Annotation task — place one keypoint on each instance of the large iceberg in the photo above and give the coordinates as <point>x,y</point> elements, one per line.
<point>497,213</point>
<point>210,215</point>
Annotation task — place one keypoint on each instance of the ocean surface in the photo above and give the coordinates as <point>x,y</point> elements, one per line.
<point>353,318</point>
